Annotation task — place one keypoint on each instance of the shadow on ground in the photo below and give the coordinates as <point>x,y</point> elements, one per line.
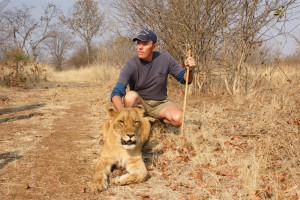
<point>19,109</point>
<point>6,158</point>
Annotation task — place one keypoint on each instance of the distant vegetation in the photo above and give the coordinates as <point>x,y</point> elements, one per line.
<point>228,39</point>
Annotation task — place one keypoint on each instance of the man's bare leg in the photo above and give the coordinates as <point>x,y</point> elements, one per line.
<point>172,115</point>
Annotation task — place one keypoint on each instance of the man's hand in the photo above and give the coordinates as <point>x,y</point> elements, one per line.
<point>190,63</point>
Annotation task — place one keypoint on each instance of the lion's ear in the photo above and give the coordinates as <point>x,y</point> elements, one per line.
<point>111,113</point>
<point>140,110</point>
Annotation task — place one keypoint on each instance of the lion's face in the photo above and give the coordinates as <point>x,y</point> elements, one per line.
<point>126,126</point>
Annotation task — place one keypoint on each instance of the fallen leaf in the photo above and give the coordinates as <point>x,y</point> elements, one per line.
<point>269,191</point>
<point>146,197</point>
<point>202,184</point>
<point>176,171</point>
<point>294,197</point>
<point>82,189</point>
<point>254,197</point>
<point>192,197</point>
<point>222,162</point>
<point>182,158</point>
<point>165,166</point>
<point>227,144</point>
<point>165,175</point>
<point>193,153</point>
<point>198,175</point>
<point>227,172</point>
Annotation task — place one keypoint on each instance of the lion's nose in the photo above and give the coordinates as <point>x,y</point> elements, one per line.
<point>130,135</point>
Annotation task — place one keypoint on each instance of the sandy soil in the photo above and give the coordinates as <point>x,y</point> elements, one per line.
<point>48,151</point>
<point>50,140</point>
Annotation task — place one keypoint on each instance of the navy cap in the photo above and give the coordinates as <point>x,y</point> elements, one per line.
<point>146,35</point>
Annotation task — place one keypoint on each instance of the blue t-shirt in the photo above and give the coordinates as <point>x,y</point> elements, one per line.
<point>149,79</point>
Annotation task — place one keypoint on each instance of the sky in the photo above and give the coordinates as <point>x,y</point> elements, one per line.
<point>40,5</point>
<point>287,45</point>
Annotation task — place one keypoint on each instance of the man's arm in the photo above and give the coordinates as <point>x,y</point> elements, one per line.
<point>116,96</point>
<point>117,102</point>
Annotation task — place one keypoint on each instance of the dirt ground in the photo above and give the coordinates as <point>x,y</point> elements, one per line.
<point>48,151</point>
<point>50,140</point>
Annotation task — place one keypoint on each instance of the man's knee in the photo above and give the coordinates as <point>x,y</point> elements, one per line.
<point>172,115</point>
<point>177,119</point>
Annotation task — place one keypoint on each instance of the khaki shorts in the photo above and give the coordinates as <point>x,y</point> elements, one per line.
<point>153,107</point>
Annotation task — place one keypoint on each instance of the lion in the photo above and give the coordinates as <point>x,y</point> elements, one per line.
<point>124,133</point>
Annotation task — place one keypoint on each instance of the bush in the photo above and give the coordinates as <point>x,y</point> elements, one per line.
<point>15,70</point>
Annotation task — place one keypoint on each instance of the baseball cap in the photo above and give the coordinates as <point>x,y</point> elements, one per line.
<point>146,35</point>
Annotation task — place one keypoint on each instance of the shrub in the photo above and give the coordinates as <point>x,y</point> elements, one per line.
<point>15,70</point>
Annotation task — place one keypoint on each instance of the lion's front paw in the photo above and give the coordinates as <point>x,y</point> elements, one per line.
<point>98,185</point>
<point>129,179</point>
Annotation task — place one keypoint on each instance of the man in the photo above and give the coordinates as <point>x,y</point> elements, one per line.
<point>147,75</point>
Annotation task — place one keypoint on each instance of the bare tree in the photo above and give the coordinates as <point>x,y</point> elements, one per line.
<point>19,25</point>
<point>25,33</point>
<point>221,33</point>
<point>117,50</point>
<point>86,21</point>
<point>255,23</point>
<point>45,29</point>
<point>3,4</point>
<point>58,46</point>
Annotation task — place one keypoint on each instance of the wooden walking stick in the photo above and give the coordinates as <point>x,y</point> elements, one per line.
<point>188,54</point>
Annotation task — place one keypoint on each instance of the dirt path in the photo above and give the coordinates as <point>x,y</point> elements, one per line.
<point>51,153</point>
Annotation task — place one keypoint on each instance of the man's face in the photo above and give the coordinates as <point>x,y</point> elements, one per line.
<point>145,49</point>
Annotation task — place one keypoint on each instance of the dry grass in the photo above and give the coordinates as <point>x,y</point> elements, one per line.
<point>248,145</point>
<point>234,147</point>
<point>258,135</point>
<point>91,74</point>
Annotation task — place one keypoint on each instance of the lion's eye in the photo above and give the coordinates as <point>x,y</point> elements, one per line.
<point>121,122</point>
